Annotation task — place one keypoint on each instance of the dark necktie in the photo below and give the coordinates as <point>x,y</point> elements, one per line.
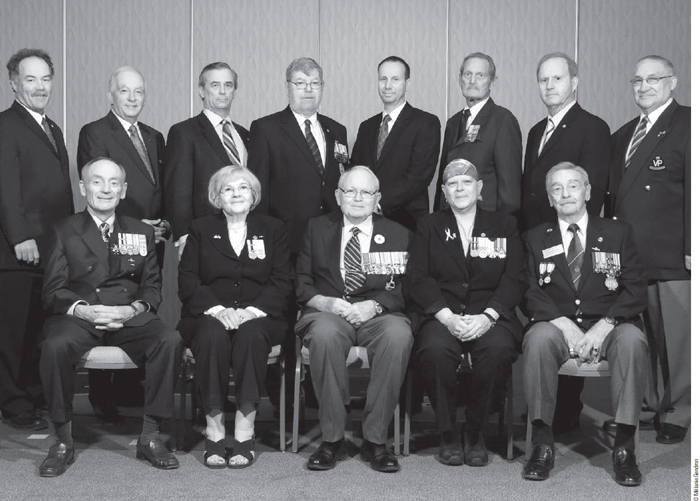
<point>314,146</point>
<point>639,134</point>
<point>575,255</point>
<point>352,260</point>
<point>104,229</point>
<point>546,135</point>
<point>383,134</point>
<point>230,146</point>
<point>141,149</point>
<point>463,122</point>
<point>47,129</point>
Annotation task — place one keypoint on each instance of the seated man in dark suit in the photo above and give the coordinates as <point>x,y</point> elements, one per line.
<point>586,294</point>
<point>349,285</point>
<point>102,287</point>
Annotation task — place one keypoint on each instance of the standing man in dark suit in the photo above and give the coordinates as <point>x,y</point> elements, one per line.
<point>401,145</point>
<point>650,187</point>
<point>298,154</point>
<point>587,290</point>
<point>200,146</point>
<point>487,135</point>
<point>348,302</point>
<point>568,134</point>
<point>35,191</point>
<point>102,287</point>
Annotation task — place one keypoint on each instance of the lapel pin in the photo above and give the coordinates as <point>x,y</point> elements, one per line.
<point>600,239</point>
<point>379,239</point>
<point>217,236</point>
<point>662,133</point>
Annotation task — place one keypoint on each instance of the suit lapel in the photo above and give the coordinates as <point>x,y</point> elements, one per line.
<point>552,238</point>
<point>151,148</point>
<point>537,132</point>
<point>330,146</point>
<point>219,237</point>
<point>560,130</point>
<point>37,129</point>
<point>374,124</point>
<point>88,231</point>
<point>447,232</point>
<point>331,241</point>
<point>122,137</point>
<point>212,137</point>
<point>481,119</point>
<point>592,235</point>
<point>291,127</point>
<point>402,122</point>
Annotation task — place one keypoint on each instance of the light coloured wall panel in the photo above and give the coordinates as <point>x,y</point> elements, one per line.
<point>258,39</point>
<point>614,35</point>
<point>33,24</point>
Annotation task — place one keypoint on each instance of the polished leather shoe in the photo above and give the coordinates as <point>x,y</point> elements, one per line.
<point>475,451</point>
<point>28,420</point>
<point>625,467</point>
<point>158,454</point>
<point>327,455</point>
<point>379,457</point>
<point>57,460</point>
<point>541,462</point>
<point>670,434</point>
<point>451,454</point>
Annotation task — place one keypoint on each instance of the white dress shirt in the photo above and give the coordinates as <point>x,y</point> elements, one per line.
<point>219,128</point>
<point>316,131</point>
<point>364,236</point>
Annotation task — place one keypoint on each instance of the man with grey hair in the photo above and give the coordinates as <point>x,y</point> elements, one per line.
<point>650,189</point>
<point>487,135</point>
<point>35,192</point>
<point>200,146</point>
<point>586,293</point>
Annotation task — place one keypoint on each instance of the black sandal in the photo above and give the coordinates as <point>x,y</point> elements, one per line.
<point>245,449</point>
<point>215,449</point>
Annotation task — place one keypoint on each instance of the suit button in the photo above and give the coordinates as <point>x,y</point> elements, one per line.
<point>89,268</point>
<point>615,218</point>
<point>465,285</point>
<point>579,320</point>
<point>462,307</point>
<point>97,290</point>
<point>237,284</point>
<point>647,187</point>
<point>124,289</point>
<point>577,302</point>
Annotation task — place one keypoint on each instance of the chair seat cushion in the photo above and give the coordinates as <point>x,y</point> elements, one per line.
<point>106,357</point>
<point>356,354</point>
<point>575,367</point>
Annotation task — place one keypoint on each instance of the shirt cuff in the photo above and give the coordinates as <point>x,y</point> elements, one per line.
<point>144,303</point>
<point>214,310</point>
<point>258,313</point>
<point>71,310</point>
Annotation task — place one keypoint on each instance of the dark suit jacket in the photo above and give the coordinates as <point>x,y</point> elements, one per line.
<point>440,276</point>
<point>212,274</point>
<point>35,189</point>
<point>406,165</point>
<point>193,154</point>
<point>497,154</point>
<point>653,195</point>
<point>292,188</point>
<point>106,137</point>
<point>581,138</point>
<point>318,265</point>
<point>81,268</point>
<point>592,300</point>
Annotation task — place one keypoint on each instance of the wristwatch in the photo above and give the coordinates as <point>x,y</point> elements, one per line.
<point>378,308</point>
<point>610,320</point>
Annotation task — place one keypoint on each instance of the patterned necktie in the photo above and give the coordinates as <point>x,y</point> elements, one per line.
<point>141,149</point>
<point>383,134</point>
<point>639,134</point>
<point>47,129</point>
<point>352,260</point>
<point>575,255</point>
<point>545,136</point>
<point>463,123</point>
<point>104,229</point>
<point>230,146</point>
<point>314,146</point>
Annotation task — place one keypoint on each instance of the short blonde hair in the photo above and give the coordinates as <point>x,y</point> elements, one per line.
<point>230,173</point>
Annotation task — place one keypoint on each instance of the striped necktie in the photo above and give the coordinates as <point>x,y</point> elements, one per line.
<point>352,260</point>
<point>575,255</point>
<point>47,130</point>
<point>639,134</point>
<point>104,229</point>
<point>383,134</point>
<point>546,135</point>
<point>230,146</point>
<point>141,150</point>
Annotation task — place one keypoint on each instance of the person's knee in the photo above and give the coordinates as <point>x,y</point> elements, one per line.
<point>631,340</point>
<point>397,334</point>
<point>543,336</point>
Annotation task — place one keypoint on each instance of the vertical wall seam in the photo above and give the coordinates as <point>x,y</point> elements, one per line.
<point>447,61</point>
<point>576,29</point>
<point>319,34</point>
<point>64,89</point>
<point>191,58</point>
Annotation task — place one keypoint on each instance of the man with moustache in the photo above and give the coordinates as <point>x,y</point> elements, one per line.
<point>35,192</point>
<point>401,145</point>
<point>200,146</point>
<point>487,135</point>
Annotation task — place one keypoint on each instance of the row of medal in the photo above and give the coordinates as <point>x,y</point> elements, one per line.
<point>546,269</point>
<point>609,264</point>
<point>256,248</point>
<point>384,263</point>
<point>130,244</point>
<point>485,247</point>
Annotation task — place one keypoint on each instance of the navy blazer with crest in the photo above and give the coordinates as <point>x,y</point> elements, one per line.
<point>318,264</point>
<point>592,300</point>
<point>441,276</point>
<point>292,188</point>
<point>211,274</point>
<point>193,153</point>
<point>35,187</point>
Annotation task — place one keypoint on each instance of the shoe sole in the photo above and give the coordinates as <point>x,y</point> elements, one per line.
<point>534,477</point>
<point>385,470</point>
<point>453,461</point>
<point>668,441</point>
<point>58,473</point>
<point>166,467</point>
<point>316,467</point>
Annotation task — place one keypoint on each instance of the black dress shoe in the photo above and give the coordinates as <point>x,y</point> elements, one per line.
<point>540,463</point>
<point>327,455</point>
<point>28,420</point>
<point>379,457</point>
<point>158,454</point>
<point>475,450</point>
<point>670,434</point>
<point>59,457</point>
<point>625,467</point>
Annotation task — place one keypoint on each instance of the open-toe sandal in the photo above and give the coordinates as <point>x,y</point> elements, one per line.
<point>215,449</point>
<point>244,449</point>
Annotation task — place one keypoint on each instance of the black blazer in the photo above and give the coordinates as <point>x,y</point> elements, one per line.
<point>318,264</point>
<point>211,273</point>
<point>35,188</point>
<point>581,138</point>
<point>440,275</point>
<point>292,188</point>
<point>193,154</point>
<point>653,195</point>
<point>106,137</point>
<point>497,153</point>
<point>592,300</point>
<point>407,163</point>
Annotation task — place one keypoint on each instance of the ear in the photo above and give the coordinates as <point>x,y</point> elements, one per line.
<point>110,98</point>
<point>338,194</point>
<point>588,192</point>
<point>201,92</point>
<point>674,82</point>
<point>13,84</point>
<point>574,84</point>
<point>379,197</point>
<point>81,186</point>
<point>123,195</point>
<point>492,84</point>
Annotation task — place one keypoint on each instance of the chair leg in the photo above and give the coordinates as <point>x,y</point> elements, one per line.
<point>283,404</point>
<point>528,438</point>
<point>297,403</point>
<point>397,430</point>
<point>509,417</point>
<point>407,413</point>
<point>183,403</point>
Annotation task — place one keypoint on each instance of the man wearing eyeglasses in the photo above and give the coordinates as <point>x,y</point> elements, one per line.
<point>401,145</point>
<point>650,189</point>
<point>349,275</point>
<point>298,154</point>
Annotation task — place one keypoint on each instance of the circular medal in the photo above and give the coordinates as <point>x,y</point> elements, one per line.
<point>143,250</point>
<point>547,279</point>
<point>502,254</point>
<point>482,253</point>
<point>122,249</point>
<point>611,283</point>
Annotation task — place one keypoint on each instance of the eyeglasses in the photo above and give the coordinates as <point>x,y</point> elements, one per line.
<point>636,82</point>
<point>228,191</point>
<point>352,193</point>
<point>301,85</point>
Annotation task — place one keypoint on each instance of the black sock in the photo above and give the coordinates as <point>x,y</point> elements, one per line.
<point>151,429</point>
<point>624,437</point>
<point>64,432</point>
<point>542,433</point>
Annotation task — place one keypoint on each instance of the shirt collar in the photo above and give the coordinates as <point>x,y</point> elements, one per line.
<point>474,110</point>
<point>654,115</point>
<point>365,226</point>
<point>214,118</point>
<point>124,123</point>
<point>36,116</point>
<point>557,118</point>
<point>582,224</point>
<point>301,119</point>
<point>110,220</point>
<point>395,113</point>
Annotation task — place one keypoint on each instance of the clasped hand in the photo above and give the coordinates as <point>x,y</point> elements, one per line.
<point>354,313</point>
<point>160,227</point>
<point>106,318</point>
<point>233,318</point>
<point>468,327</point>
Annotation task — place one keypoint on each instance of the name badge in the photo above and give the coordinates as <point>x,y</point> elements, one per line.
<point>384,263</point>
<point>553,251</point>
<point>256,248</point>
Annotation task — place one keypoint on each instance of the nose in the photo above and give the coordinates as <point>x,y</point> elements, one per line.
<point>644,86</point>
